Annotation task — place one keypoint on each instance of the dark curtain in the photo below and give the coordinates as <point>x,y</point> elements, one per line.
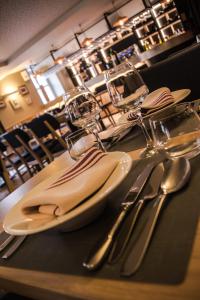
<point>191,9</point>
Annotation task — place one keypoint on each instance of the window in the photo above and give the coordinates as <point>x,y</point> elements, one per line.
<point>55,84</point>
<point>48,88</point>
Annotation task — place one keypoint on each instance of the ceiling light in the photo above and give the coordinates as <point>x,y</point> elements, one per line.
<point>59,60</point>
<point>120,21</point>
<point>87,42</point>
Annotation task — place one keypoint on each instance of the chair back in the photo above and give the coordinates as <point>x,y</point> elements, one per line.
<point>15,143</point>
<point>11,137</point>
<point>39,128</point>
<point>2,147</point>
<point>51,120</point>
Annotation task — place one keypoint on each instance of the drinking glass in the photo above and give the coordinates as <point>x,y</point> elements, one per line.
<point>83,110</point>
<point>176,130</point>
<point>79,142</point>
<point>127,91</point>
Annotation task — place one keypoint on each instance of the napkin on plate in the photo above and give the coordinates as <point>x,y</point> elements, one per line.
<point>71,187</point>
<point>158,97</point>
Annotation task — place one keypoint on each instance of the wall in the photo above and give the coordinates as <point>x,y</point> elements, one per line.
<point>9,116</point>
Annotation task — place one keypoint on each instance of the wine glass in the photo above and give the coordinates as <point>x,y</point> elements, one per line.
<point>83,110</point>
<point>79,142</point>
<point>127,91</point>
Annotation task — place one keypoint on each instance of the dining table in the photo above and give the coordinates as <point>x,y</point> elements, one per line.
<point>48,265</point>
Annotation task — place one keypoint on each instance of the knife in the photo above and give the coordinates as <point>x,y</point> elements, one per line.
<point>97,256</point>
<point>149,192</point>
<point>14,247</point>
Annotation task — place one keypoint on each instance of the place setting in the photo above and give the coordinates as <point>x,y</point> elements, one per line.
<point>157,100</point>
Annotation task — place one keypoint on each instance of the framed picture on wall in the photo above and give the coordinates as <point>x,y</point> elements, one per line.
<point>28,100</point>
<point>23,90</point>
<point>15,104</point>
<point>2,104</point>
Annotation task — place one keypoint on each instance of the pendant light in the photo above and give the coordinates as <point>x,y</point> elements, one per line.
<point>87,42</point>
<point>121,20</point>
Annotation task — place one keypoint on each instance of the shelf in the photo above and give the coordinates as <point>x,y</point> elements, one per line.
<point>142,26</point>
<point>173,36</point>
<point>166,13</point>
<point>114,43</point>
<point>152,34</point>
<point>161,5</point>
<point>171,24</point>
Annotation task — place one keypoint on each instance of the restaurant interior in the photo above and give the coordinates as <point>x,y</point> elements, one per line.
<point>99,113</point>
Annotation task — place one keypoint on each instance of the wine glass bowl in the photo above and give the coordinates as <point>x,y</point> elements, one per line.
<point>126,87</point>
<point>83,110</point>
<point>127,92</point>
<point>82,107</point>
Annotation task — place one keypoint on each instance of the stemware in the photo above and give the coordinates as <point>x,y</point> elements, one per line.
<point>79,142</point>
<point>176,130</point>
<point>127,91</point>
<point>83,110</point>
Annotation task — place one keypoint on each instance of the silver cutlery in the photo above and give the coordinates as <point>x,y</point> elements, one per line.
<point>98,255</point>
<point>175,177</point>
<point>15,245</point>
<point>6,242</point>
<point>149,192</point>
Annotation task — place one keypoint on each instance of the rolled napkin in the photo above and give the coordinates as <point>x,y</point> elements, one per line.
<point>157,98</point>
<point>71,187</point>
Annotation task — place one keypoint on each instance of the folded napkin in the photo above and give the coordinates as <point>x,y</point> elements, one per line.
<point>132,116</point>
<point>158,97</point>
<point>69,189</point>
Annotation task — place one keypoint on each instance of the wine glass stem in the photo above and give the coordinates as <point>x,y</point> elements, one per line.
<point>149,141</point>
<point>99,141</point>
<point>93,129</point>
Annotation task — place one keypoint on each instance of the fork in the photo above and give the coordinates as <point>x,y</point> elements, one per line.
<point>14,246</point>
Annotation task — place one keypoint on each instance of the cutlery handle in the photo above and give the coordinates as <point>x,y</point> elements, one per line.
<point>14,247</point>
<point>98,255</point>
<point>9,239</point>
<point>125,233</point>
<point>137,253</point>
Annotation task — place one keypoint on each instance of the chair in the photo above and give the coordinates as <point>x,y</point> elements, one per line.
<point>11,160</point>
<point>33,157</point>
<point>44,130</point>
<point>5,175</point>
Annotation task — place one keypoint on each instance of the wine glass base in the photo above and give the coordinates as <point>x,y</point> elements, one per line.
<point>148,152</point>
<point>190,151</point>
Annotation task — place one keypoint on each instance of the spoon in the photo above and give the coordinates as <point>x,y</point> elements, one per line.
<point>175,177</point>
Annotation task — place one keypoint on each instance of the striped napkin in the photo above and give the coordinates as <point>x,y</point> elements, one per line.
<point>158,97</point>
<point>132,116</point>
<point>70,188</point>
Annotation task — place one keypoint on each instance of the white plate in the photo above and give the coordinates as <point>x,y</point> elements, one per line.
<point>178,96</point>
<point>17,224</point>
<point>114,131</point>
